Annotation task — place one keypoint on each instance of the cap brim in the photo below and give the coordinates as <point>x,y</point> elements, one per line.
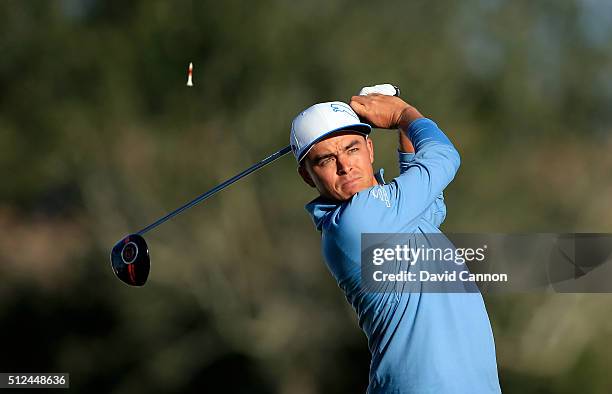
<point>360,128</point>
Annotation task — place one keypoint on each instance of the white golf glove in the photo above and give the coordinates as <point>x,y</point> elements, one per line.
<point>385,88</point>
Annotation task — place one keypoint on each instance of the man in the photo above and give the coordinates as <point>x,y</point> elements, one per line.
<point>420,342</point>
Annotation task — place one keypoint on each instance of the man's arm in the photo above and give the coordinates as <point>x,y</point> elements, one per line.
<point>436,213</point>
<point>424,176</point>
<point>433,167</point>
<point>405,146</point>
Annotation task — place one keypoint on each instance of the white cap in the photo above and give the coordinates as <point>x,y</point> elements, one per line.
<point>319,121</point>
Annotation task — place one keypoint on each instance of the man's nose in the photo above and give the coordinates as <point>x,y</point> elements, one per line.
<point>343,164</point>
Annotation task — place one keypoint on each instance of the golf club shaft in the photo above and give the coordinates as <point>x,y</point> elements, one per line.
<point>217,188</point>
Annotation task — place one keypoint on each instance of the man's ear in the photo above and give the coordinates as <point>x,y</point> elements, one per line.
<point>305,175</point>
<point>370,145</point>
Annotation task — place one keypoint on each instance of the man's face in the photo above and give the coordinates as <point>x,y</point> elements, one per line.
<point>340,166</point>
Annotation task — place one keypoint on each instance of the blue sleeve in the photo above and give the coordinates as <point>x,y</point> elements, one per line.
<point>426,173</point>
<point>436,213</point>
<point>415,194</point>
<point>404,159</point>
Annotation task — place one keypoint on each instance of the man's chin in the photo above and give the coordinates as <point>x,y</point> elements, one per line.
<point>347,191</point>
<point>352,189</point>
<point>342,197</point>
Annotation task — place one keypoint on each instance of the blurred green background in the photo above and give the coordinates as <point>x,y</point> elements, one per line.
<point>99,136</point>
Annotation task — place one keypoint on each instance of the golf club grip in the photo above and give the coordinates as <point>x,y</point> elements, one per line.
<point>276,155</point>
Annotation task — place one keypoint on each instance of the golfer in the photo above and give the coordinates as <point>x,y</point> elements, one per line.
<point>419,342</point>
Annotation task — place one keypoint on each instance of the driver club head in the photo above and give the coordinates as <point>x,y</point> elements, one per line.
<point>130,260</point>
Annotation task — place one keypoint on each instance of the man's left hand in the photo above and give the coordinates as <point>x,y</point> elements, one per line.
<point>384,112</point>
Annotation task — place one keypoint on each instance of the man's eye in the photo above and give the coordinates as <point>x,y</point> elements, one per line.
<point>353,150</point>
<point>325,161</point>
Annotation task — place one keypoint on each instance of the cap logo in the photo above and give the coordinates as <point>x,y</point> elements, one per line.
<point>336,107</point>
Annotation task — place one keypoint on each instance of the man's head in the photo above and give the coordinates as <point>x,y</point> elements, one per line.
<point>333,151</point>
<point>339,165</point>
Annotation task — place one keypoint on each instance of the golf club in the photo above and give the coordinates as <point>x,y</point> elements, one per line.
<point>130,259</point>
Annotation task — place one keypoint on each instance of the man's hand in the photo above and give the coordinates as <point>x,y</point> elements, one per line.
<point>384,112</point>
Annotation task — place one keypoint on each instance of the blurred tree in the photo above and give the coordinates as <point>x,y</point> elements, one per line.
<point>99,134</point>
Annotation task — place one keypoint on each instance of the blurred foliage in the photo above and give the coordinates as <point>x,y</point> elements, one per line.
<point>99,136</point>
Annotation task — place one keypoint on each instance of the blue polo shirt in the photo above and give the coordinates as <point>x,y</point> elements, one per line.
<point>420,342</point>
